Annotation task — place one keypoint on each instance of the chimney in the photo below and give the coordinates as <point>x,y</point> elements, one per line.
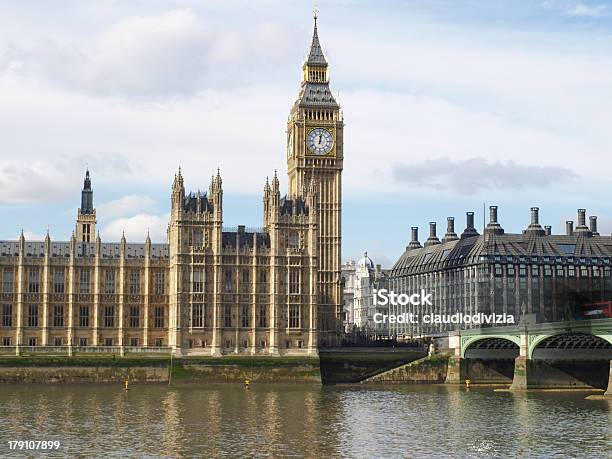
<point>469,227</point>
<point>581,227</point>
<point>534,215</point>
<point>450,230</point>
<point>414,243</point>
<point>492,214</point>
<point>493,227</point>
<point>593,225</point>
<point>569,227</point>
<point>548,230</point>
<point>534,227</point>
<point>470,219</point>
<point>432,239</point>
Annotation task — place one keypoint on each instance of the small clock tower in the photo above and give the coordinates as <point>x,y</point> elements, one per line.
<point>315,150</point>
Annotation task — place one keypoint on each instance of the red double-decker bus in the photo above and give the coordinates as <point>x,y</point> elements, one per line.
<point>600,310</point>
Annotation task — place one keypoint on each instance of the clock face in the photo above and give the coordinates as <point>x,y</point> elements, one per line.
<point>320,141</point>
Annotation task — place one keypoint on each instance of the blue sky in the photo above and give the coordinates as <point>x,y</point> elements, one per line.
<point>448,105</point>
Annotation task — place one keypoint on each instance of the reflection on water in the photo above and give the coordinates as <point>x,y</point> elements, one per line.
<point>303,421</point>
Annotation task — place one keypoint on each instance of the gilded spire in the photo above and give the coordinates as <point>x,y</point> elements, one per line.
<point>316,56</point>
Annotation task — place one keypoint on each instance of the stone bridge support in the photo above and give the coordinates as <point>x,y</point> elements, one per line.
<point>455,371</point>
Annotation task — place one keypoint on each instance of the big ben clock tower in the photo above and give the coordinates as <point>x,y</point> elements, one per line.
<point>315,151</point>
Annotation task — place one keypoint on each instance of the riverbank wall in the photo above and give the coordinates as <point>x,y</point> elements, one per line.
<point>427,370</point>
<point>98,369</point>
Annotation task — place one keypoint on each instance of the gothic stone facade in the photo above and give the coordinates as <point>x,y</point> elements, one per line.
<point>209,290</point>
<point>542,276</point>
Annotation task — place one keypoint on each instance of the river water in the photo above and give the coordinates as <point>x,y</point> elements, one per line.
<point>272,420</point>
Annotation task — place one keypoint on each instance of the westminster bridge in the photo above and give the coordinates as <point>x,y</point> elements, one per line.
<point>569,354</point>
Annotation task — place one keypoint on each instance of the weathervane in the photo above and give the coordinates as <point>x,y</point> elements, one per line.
<point>315,12</point>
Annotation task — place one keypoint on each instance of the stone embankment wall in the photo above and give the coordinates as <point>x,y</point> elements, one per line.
<point>68,375</point>
<point>157,370</point>
<point>428,370</point>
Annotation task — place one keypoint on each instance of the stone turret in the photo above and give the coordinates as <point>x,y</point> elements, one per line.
<point>86,214</point>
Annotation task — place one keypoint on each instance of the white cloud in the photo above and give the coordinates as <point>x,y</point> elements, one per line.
<point>173,53</point>
<point>31,180</point>
<point>583,10</point>
<point>127,205</point>
<point>477,174</point>
<point>31,236</point>
<point>136,228</point>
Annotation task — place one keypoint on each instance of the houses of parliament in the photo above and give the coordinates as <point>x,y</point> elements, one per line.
<point>208,290</point>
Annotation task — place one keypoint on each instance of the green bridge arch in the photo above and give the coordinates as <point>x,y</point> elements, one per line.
<point>467,341</point>
<point>535,340</point>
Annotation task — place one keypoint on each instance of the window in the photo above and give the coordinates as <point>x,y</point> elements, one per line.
<point>559,271</point>
<point>197,237</point>
<point>133,342</point>
<point>109,317</point>
<point>244,287</point>
<point>607,271</point>
<point>109,281</point>
<point>498,270</point>
<point>571,271</point>
<point>108,341</point>
<point>228,281</point>
<point>198,281</point>
<point>33,280</point>
<point>7,315</point>
<point>83,342</point>
<point>58,281</point>
<point>33,315</point>
<point>160,282</point>
<point>510,270</point>
<point>547,270</point>
<point>227,316</point>
<point>263,316</point>
<point>196,315</point>
<point>584,271</point>
<point>83,316</point>
<point>58,315</point>
<point>596,271</point>
<point>294,281</point>
<point>57,341</point>
<point>245,315</point>
<point>84,281</point>
<point>263,276</point>
<point>134,316</point>
<point>159,317</point>
<point>6,341</point>
<point>7,281</point>
<point>522,270</point>
<point>135,282</point>
<point>294,316</point>
<point>535,271</point>
<point>32,341</point>
<point>159,342</point>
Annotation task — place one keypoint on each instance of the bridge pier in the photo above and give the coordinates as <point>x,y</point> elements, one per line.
<point>521,364</point>
<point>455,371</point>
<point>608,392</point>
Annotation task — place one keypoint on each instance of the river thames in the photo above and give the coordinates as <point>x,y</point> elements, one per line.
<point>302,421</point>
